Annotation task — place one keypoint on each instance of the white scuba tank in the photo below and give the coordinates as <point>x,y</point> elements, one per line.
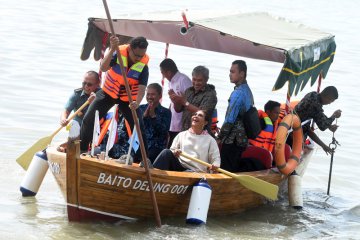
<point>34,175</point>
<point>199,203</point>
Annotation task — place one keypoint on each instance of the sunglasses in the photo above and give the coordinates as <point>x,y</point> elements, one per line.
<point>87,84</point>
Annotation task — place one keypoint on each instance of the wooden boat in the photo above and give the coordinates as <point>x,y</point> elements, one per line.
<point>98,189</point>
<point>105,189</point>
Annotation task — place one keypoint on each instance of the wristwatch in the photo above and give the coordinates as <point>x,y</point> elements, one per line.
<point>187,104</point>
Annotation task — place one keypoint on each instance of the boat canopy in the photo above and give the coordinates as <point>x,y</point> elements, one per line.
<point>305,52</point>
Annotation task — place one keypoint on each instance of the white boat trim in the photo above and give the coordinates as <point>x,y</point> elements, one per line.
<point>101,212</point>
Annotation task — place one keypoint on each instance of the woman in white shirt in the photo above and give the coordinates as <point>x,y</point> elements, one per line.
<point>195,142</point>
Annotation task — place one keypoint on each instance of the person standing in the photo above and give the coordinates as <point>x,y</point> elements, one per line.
<point>200,95</point>
<point>311,106</point>
<point>156,121</point>
<point>232,134</point>
<point>178,83</point>
<point>113,92</point>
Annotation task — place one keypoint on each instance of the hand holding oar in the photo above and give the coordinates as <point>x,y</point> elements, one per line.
<point>136,120</point>
<point>25,159</point>
<point>257,185</point>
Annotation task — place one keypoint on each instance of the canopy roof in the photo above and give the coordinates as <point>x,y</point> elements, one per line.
<point>304,51</point>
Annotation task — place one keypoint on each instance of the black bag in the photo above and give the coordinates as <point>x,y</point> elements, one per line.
<point>252,123</point>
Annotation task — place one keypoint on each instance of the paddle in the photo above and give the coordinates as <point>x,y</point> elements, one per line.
<point>257,185</point>
<point>25,159</point>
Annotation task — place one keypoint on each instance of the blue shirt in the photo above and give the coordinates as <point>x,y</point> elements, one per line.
<point>239,102</point>
<point>233,130</point>
<point>156,129</point>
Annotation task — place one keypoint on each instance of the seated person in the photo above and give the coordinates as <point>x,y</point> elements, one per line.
<point>156,121</point>
<point>90,86</point>
<point>269,123</point>
<point>196,142</point>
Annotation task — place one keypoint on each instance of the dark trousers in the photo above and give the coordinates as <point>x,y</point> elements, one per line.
<point>230,157</point>
<point>167,161</point>
<point>153,153</point>
<point>103,102</point>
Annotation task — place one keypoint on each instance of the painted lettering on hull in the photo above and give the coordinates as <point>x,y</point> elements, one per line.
<point>140,185</point>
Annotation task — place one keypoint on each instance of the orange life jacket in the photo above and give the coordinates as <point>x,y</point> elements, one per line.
<point>214,120</point>
<point>266,138</point>
<point>114,84</point>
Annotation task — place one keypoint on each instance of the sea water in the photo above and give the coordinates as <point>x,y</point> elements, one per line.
<point>40,44</point>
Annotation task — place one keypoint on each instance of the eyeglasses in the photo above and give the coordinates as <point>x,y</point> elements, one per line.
<point>87,84</point>
<point>136,55</point>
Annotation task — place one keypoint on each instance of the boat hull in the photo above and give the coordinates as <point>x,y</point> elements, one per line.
<point>98,189</point>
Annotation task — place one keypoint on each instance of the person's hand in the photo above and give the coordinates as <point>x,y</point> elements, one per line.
<point>64,122</point>
<point>177,99</point>
<point>213,168</point>
<point>177,152</point>
<point>133,105</point>
<point>92,97</point>
<point>114,42</point>
<point>327,149</point>
<point>333,127</point>
<point>171,92</point>
<point>337,114</point>
<point>150,110</point>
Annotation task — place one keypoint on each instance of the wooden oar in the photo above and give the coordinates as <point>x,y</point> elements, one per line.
<point>136,121</point>
<point>257,185</point>
<point>25,159</point>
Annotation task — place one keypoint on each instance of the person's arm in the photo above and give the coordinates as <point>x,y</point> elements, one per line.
<point>214,153</point>
<point>235,105</point>
<point>317,140</point>
<point>323,122</point>
<point>63,118</point>
<point>143,81</point>
<point>141,93</point>
<point>175,146</point>
<point>178,100</point>
<point>69,106</point>
<point>105,63</point>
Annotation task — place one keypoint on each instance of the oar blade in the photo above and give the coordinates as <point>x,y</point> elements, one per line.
<point>257,185</point>
<point>25,159</point>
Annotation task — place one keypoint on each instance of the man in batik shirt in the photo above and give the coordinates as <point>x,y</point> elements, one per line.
<point>311,107</point>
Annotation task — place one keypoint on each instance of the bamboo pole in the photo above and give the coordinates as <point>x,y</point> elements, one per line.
<point>136,121</point>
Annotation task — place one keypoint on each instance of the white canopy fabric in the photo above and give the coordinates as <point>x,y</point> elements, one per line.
<point>304,51</point>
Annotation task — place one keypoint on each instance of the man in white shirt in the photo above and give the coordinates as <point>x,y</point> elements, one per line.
<point>178,83</point>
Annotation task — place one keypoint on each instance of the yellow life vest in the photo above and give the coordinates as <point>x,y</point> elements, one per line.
<point>114,84</point>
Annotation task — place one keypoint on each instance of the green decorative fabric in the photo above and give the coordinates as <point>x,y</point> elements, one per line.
<point>306,63</point>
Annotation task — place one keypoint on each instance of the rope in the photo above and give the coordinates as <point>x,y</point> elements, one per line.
<point>333,146</point>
